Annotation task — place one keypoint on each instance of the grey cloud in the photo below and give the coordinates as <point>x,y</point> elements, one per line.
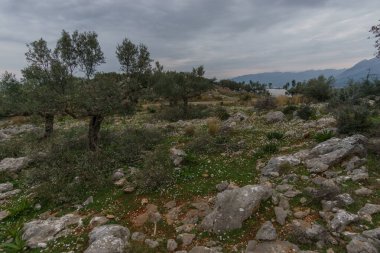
<point>228,36</point>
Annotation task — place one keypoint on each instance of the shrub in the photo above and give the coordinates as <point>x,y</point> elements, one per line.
<point>306,112</point>
<point>269,148</point>
<point>275,135</point>
<point>288,110</point>
<point>213,126</point>
<point>157,171</point>
<point>177,113</point>
<point>323,136</point>
<point>189,130</point>
<point>221,113</point>
<point>266,103</point>
<point>353,119</point>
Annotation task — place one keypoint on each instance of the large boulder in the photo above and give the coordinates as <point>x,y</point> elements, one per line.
<point>334,151</point>
<point>232,207</point>
<point>108,239</point>
<point>273,117</point>
<point>13,165</point>
<point>37,233</point>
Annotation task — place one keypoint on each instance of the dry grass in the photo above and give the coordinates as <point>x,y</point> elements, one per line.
<point>213,126</point>
<point>190,130</point>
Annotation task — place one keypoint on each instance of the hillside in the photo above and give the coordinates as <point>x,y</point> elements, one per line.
<point>357,73</point>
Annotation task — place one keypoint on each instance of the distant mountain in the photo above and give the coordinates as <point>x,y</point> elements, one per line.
<point>360,71</point>
<point>357,73</point>
<point>278,79</point>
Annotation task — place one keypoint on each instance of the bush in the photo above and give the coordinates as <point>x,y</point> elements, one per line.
<point>70,173</point>
<point>189,130</point>
<point>213,126</point>
<point>207,144</point>
<point>177,113</point>
<point>288,110</point>
<point>275,135</point>
<point>323,136</point>
<point>221,113</point>
<point>269,148</point>
<point>157,171</point>
<point>266,103</point>
<point>353,119</point>
<point>306,112</point>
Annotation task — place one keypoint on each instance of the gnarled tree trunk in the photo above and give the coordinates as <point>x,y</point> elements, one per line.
<point>49,125</point>
<point>93,131</point>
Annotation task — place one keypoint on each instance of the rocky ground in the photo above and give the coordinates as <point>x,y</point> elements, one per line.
<point>270,188</point>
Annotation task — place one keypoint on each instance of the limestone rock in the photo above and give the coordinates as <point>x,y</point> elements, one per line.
<point>108,239</point>
<point>267,232</point>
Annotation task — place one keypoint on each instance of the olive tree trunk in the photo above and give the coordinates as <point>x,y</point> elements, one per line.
<point>49,125</point>
<point>93,131</point>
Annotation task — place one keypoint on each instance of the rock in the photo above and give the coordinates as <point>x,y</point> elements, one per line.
<point>117,175</point>
<point>9,194</point>
<point>186,239</point>
<point>108,239</point>
<point>341,219</point>
<point>120,182</point>
<point>360,244</point>
<point>232,207</point>
<point>191,217</point>
<point>344,199</point>
<point>363,191</point>
<point>202,207</point>
<point>41,231</point>
<point>305,232</point>
<point>13,165</point>
<point>277,163</point>
<point>222,186</point>
<point>281,215</point>
<point>354,163</point>
<point>6,187</point>
<point>369,209</point>
<point>186,228</point>
<point>274,247</point>
<point>284,203</point>
<point>284,187</point>
<point>200,249</point>
<point>152,243</point>
<point>273,117</point>
<point>138,236</point>
<point>292,193</point>
<point>300,214</point>
<point>363,176</point>
<point>129,188</point>
<point>88,201</point>
<point>98,221</point>
<point>172,215</point>
<point>267,232</point>
<point>171,245</point>
<point>4,215</point>
<point>334,151</point>
<point>177,156</point>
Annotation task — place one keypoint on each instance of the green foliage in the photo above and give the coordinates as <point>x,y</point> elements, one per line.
<point>157,172</point>
<point>221,113</point>
<point>19,208</point>
<point>353,119</point>
<point>70,173</point>
<point>318,89</point>
<point>252,87</point>
<point>306,112</point>
<point>323,136</point>
<point>275,135</point>
<point>11,96</point>
<point>18,245</point>
<point>288,110</point>
<point>269,148</point>
<point>176,113</point>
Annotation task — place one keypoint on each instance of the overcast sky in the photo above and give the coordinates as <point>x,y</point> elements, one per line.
<point>228,37</point>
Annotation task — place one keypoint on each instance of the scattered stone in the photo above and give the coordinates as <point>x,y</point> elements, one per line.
<point>191,217</point>
<point>152,243</point>
<point>171,245</point>
<point>201,249</point>
<point>129,188</point>
<point>273,117</point>
<point>273,247</point>
<point>369,209</point>
<point>300,214</point>
<point>108,239</point>
<point>281,215</point>
<point>177,156</point>
<point>41,231</point>
<point>360,244</point>
<point>88,201</point>
<point>186,228</point>
<point>4,215</point>
<point>267,232</point>
<point>234,206</point>
<point>9,194</point>
<point>13,165</point>
<point>6,187</point>
<point>98,221</point>
<point>341,219</point>
<point>120,182</point>
<point>186,239</point>
<point>117,175</point>
<point>363,191</point>
<point>138,236</point>
<point>171,204</point>
<point>172,215</point>
<point>222,186</point>
<point>292,193</point>
<point>277,163</point>
<point>344,199</point>
<point>143,218</point>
